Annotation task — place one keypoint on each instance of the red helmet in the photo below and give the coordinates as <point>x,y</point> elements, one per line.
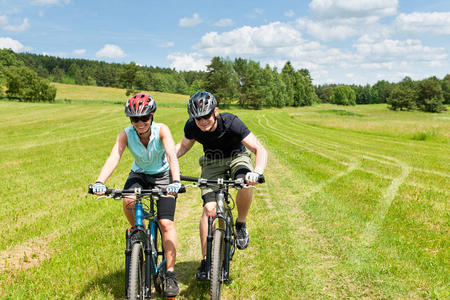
<point>140,105</point>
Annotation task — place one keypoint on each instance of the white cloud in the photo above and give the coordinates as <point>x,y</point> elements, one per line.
<point>435,22</point>
<point>224,23</point>
<point>190,22</point>
<point>79,52</point>
<point>330,9</point>
<point>327,31</point>
<point>9,43</point>
<point>50,2</point>
<point>193,61</point>
<point>289,13</point>
<point>250,40</point>
<point>110,51</point>
<point>410,49</point>
<point>5,25</point>
<point>166,45</point>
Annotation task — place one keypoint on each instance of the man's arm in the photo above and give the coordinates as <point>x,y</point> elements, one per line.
<point>255,146</point>
<point>169,147</point>
<point>184,146</point>
<point>114,158</point>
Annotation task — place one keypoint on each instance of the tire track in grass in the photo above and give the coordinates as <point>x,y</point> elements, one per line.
<point>312,262</point>
<point>390,140</point>
<point>372,228</point>
<point>296,143</point>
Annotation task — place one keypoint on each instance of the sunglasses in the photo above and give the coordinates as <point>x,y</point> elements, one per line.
<point>143,119</point>
<point>204,117</point>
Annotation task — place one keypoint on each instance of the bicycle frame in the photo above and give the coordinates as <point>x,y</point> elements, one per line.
<point>146,236</point>
<point>225,217</point>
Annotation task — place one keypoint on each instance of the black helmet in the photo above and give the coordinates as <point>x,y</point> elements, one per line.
<point>201,104</point>
<point>140,105</point>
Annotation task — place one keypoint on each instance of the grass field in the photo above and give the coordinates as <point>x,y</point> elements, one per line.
<point>355,205</point>
<point>86,93</point>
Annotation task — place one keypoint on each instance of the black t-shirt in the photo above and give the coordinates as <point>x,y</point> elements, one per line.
<point>223,142</point>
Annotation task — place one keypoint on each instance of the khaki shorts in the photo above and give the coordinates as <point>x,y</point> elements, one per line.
<point>217,168</point>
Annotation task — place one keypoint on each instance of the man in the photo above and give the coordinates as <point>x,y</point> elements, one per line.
<point>225,139</point>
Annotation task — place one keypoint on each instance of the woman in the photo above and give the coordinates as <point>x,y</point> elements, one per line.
<point>153,149</point>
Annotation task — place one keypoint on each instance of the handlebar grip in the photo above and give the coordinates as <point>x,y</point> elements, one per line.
<point>188,178</point>
<point>261,178</point>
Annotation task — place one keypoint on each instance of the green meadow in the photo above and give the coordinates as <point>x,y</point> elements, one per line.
<point>355,204</point>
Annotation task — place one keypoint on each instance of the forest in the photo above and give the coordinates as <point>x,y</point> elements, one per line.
<point>26,77</point>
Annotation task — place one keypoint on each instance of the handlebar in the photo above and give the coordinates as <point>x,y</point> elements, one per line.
<point>203,182</point>
<point>156,191</point>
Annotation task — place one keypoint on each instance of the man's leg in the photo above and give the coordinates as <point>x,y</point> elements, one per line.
<point>243,201</point>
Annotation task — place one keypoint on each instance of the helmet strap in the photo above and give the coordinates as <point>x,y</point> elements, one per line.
<point>215,121</point>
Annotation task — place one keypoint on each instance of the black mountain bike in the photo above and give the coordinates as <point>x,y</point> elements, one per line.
<point>220,243</point>
<point>144,254</point>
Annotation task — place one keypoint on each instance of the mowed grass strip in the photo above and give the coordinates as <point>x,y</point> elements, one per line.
<point>339,217</point>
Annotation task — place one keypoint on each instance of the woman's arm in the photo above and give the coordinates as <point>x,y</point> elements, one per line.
<point>114,158</point>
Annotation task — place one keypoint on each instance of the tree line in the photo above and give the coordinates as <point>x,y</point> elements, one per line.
<point>240,81</point>
<point>430,94</point>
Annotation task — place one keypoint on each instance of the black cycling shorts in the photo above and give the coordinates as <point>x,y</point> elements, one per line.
<point>166,205</point>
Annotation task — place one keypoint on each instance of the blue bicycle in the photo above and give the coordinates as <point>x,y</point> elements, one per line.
<point>144,254</point>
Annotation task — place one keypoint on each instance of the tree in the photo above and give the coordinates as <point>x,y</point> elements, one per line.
<point>24,84</point>
<point>288,77</point>
<point>343,95</point>
<point>128,75</point>
<point>445,84</point>
<point>403,96</point>
<point>221,80</point>
<point>430,96</point>
<point>381,91</point>
<point>253,91</point>
<point>279,90</point>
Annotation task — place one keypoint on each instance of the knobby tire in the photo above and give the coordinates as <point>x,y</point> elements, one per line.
<point>217,265</point>
<point>136,285</point>
<point>158,279</point>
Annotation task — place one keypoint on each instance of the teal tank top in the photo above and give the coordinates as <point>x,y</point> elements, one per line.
<point>151,159</point>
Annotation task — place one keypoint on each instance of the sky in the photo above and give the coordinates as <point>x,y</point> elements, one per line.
<point>338,41</point>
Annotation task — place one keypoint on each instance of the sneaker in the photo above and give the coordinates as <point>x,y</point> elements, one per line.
<point>171,289</point>
<point>201,272</point>
<point>242,237</point>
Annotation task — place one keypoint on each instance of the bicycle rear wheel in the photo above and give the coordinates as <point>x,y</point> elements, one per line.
<point>217,265</point>
<point>136,284</point>
<point>158,279</point>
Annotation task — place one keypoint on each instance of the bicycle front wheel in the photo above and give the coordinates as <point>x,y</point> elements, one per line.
<point>136,284</point>
<point>160,261</point>
<point>217,265</point>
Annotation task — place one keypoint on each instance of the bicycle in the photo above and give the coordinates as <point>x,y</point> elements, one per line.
<point>220,243</point>
<point>144,254</point>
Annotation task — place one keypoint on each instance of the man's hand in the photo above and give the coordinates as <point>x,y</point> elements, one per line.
<point>252,178</point>
<point>173,188</point>
<point>99,188</point>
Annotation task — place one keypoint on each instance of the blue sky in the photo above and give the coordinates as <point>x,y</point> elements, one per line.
<point>339,41</point>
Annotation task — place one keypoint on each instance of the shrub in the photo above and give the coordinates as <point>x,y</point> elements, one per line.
<point>24,84</point>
